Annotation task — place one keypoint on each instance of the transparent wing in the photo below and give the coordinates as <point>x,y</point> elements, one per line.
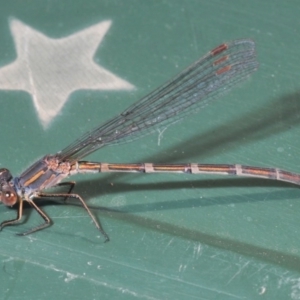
<point>215,73</point>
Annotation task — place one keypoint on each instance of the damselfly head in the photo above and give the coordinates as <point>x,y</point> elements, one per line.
<point>8,195</point>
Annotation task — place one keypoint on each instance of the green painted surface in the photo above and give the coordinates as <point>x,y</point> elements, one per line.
<point>172,236</point>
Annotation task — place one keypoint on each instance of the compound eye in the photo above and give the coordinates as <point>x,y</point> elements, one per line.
<point>8,198</point>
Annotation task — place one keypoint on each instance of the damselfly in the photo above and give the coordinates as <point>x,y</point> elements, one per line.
<point>211,75</point>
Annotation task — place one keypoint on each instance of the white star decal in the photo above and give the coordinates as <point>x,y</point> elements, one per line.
<point>51,69</point>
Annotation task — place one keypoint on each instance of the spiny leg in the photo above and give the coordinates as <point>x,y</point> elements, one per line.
<point>17,219</point>
<point>42,214</point>
<point>76,196</point>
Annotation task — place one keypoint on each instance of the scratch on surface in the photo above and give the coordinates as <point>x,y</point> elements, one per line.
<point>160,135</point>
<point>123,290</point>
<point>161,131</point>
<point>143,237</point>
<point>70,217</point>
<point>168,245</point>
<point>68,276</point>
<point>197,250</point>
<point>194,36</point>
<point>258,271</point>
<point>238,271</point>
<point>182,268</point>
<point>170,241</point>
<point>8,259</point>
<point>188,246</point>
